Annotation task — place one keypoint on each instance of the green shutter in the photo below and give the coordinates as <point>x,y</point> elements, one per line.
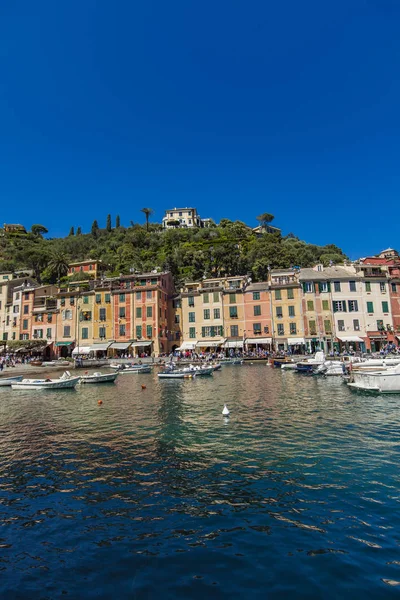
<point>370,307</point>
<point>385,307</point>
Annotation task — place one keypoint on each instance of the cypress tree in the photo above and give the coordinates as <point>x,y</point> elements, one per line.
<point>79,231</point>
<point>108,226</point>
<point>117,221</point>
<point>71,231</point>
<point>95,228</point>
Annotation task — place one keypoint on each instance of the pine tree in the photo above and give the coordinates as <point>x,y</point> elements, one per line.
<point>117,222</point>
<point>79,231</point>
<point>71,231</point>
<point>108,226</point>
<point>95,228</point>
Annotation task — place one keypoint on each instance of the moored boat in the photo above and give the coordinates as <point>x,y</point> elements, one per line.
<point>4,381</point>
<point>99,378</point>
<point>64,382</point>
<point>176,375</point>
<point>384,381</point>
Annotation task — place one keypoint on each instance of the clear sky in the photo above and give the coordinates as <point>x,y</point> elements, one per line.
<point>235,107</point>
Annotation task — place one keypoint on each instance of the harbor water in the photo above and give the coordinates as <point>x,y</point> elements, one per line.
<point>154,494</point>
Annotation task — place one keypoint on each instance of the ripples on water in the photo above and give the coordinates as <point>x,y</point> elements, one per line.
<point>154,494</point>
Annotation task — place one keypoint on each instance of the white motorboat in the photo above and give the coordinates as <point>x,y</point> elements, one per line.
<point>99,378</point>
<point>10,380</point>
<point>176,375</point>
<point>375,363</point>
<point>330,368</point>
<point>63,383</point>
<point>311,364</point>
<point>384,381</point>
<point>56,363</point>
<point>191,369</point>
<point>288,366</point>
<point>132,368</point>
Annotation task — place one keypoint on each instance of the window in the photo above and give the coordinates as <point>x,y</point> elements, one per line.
<point>233,312</point>
<point>62,301</point>
<point>16,309</point>
<point>17,295</point>
<point>138,296</point>
<point>98,298</point>
<point>382,286</point>
<point>149,294</point>
<point>232,298</point>
<point>206,314</point>
<point>149,331</point>
<point>102,332</point>
<point>107,298</point>
<point>216,297</point>
<point>256,295</point>
<point>323,287</point>
<point>353,306</point>
<point>122,312</point>
<point>192,317</point>
<point>310,305</point>
<point>339,306</point>
<point>149,311</point>
<point>122,330</point>
<point>257,310</point>
<point>367,286</point>
<point>379,325</point>
<point>25,324</point>
<point>122,297</point>
<point>281,329</point>
<point>370,307</point>
<point>234,330</point>
<point>394,287</point>
<point>290,294</point>
<point>138,312</point>
<point>192,332</point>
<point>385,307</point>
<point>102,314</point>
<point>154,281</point>
<point>211,331</point>
<point>177,319</point>
<point>86,315</point>
<point>72,301</point>
<point>138,331</point>
<point>308,286</point>
<point>206,298</point>
<point>313,327</point>
<point>5,337</point>
<point>217,313</point>
<point>85,299</point>
<point>191,300</point>
<point>278,295</point>
<point>291,311</point>
<point>26,309</point>
<point>292,328</point>
<point>26,295</point>
<point>49,318</point>
<point>336,286</point>
<point>352,286</point>
<point>257,328</point>
<point>327,326</point>
<point>356,325</point>
<point>48,333</point>
<point>66,314</point>
<point>85,333</point>
<point>39,318</point>
<point>279,312</point>
<point>340,325</point>
<point>38,333</point>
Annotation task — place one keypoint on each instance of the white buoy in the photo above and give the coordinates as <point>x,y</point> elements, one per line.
<point>225,411</point>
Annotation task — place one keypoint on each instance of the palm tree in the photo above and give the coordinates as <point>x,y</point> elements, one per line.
<point>147,212</point>
<point>58,264</point>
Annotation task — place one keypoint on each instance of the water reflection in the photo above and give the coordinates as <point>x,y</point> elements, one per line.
<point>296,492</point>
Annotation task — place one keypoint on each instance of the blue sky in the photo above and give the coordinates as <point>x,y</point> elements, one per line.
<point>234,107</point>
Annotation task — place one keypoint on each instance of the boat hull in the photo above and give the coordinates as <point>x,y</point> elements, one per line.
<point>107,378</point>
<point>7,381</point>
<point>37,384</point>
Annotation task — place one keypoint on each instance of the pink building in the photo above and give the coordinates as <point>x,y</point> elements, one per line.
<point>257,317</point>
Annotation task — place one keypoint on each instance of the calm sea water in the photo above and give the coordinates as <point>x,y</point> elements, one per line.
<point>154,494</point>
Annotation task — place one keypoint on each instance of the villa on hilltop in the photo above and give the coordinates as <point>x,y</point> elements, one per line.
<point>183,217</point>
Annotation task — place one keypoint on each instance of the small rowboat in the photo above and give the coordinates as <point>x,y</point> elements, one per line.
<point>65,382</point>
<point>138,370</point>
<point>10,380</point>
<point>99,378</point>
<point>176,375</point>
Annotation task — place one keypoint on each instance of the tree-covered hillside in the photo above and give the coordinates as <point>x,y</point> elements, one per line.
<point>231,248</point>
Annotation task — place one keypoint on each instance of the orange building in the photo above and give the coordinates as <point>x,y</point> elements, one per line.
<point>257,317</point>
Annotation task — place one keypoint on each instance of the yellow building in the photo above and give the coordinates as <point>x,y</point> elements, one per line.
<point>234,311</point>
<point>286,311</point>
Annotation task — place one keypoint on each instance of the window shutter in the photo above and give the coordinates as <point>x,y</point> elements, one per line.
<point>329,286</point>
<point>344,306</point>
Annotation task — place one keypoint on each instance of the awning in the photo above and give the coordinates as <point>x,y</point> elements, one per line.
<point>295,341</point>
<point>259,340</point>
<point>188,345</point>
<point>103,347</point>
<point>63,343</point>
<point>210,343</point>
<point>81,350</point>
<point>120,345</point>
<point>349,338</point>
<point>144,343</point>
<point>233,344</point>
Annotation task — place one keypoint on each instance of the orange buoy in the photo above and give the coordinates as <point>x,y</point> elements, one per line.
<point>99,401</point>
<point>143,387</point>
